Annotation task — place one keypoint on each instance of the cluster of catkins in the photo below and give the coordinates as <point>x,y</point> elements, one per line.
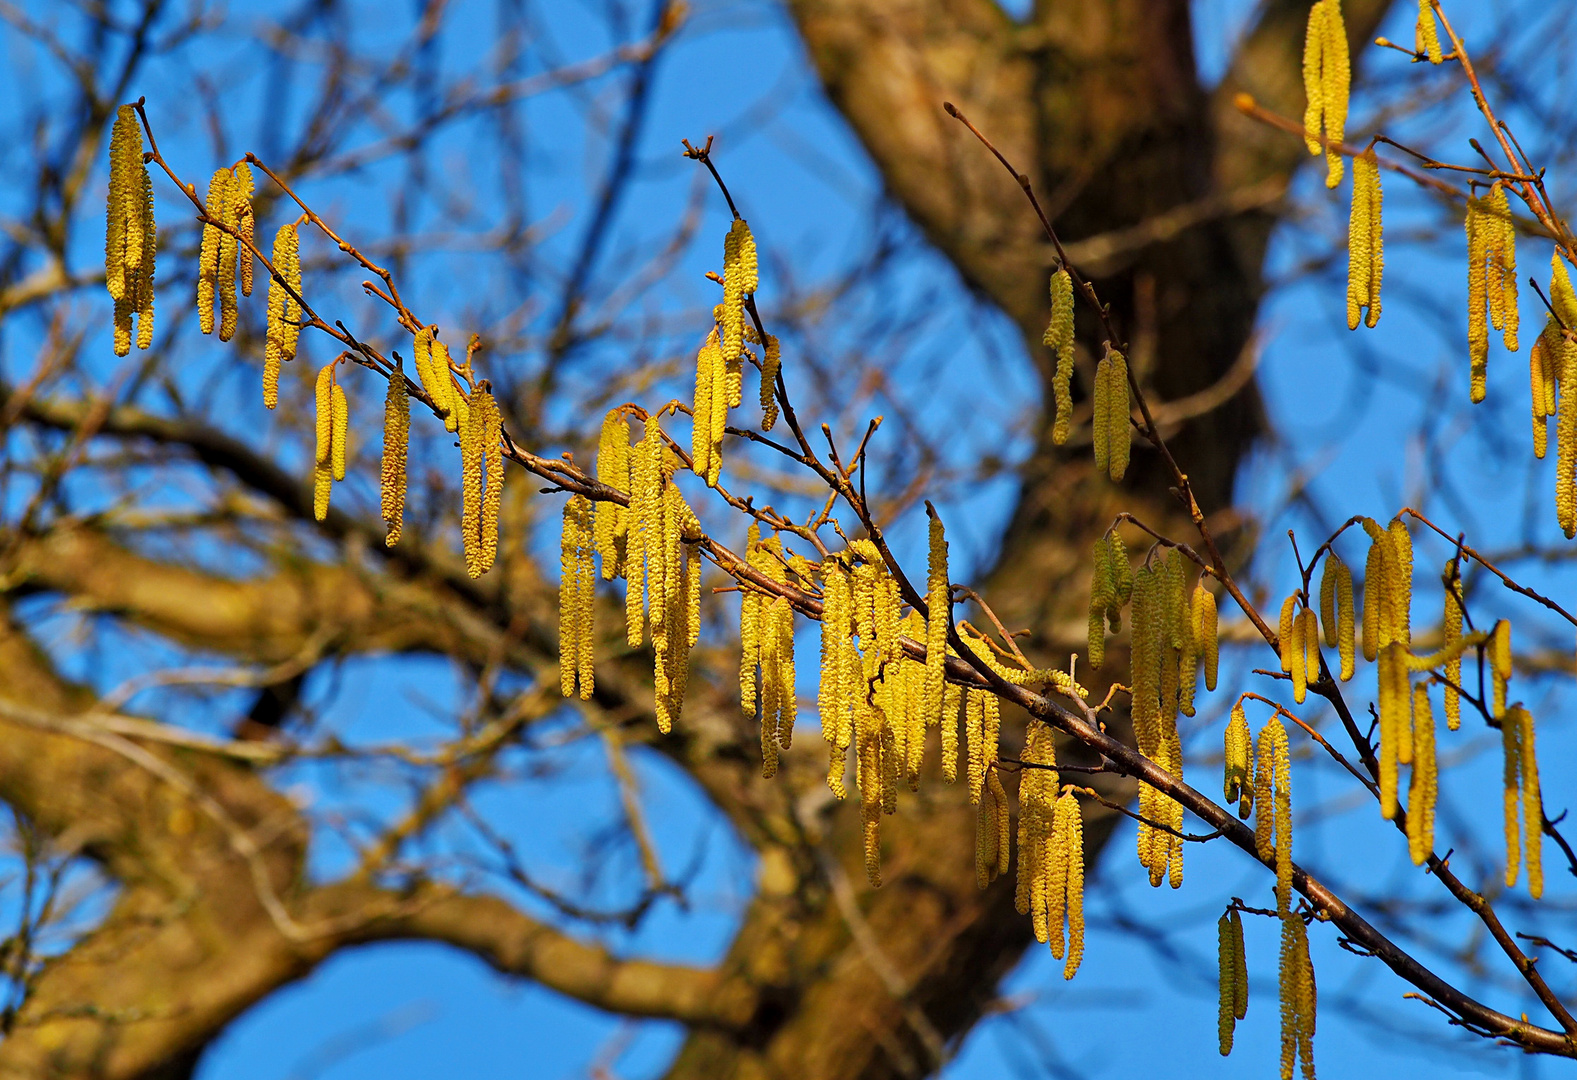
<point>130,236</point>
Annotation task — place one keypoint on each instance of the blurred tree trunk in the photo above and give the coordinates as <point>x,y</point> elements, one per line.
<point>1099,101</point>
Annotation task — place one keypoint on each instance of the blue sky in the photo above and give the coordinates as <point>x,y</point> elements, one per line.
<point>1347,411</point>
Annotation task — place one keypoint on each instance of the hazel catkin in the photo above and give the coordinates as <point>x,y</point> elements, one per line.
<point>396,443</point>
<point>1327,75</point>
<point>1059,339</point>
<point>1365,242</point>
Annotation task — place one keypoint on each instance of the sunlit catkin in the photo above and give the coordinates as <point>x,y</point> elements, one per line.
<point>939,607</point>
<point>208,258</point>
<point>1068,822</point>
<point>1206,637</point>
<point>1273,806</point>
<point>1479,228</point>
<point>472,474</point>
<point>1451,633</point>
<point>1423,789</point>
<point>489,425</point>
<point>1232,977</point>
<point>1539,388</point>
<point>123,220</point>
<point>1501,252</point>
<point>1565,432</point>
<point>771,364</point>
<point>341,438</point>
<point>237,202</point>
<point>576,599</point>
<point>1059,339</point>
<point>1102,594</point>
<point>1365,243</point>
<point>284,313</point>
<point>323,475</point>
<point>613,470</point>
<point>1327,73</point>
<point>1532,799</point>
<point>396,442</point>
<point>739,280</point>
<point>245,222</point>
<point>1562,297</point>
<point>1238,784</point>
<point>145,270</point>
<point>1427,34</point>
<point>1298,999</point>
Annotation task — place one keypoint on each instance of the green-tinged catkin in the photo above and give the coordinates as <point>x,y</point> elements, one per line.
<point>1426,34</point>
<point>396,442</point>
<point>1117,405</point>
<point>1145,660</point>
<point>1059,338</point>
<point>1562,297</point>
<point>1451,633</point>
<point>613,470</point>
<point>1237,774</point>
<point>1122,580</point>
<point>1232,966</point>
<point>1102,594</point>
<point>145,270</point>
<point>1273,806</point>
<point>284,313</point>
<point>1424,786</point>
<point>569,600</point>
<point>771,364</point>
<point>1070,818</point>
<point>952,706</point>
<point>1328,615</point>
<point>238,193</point>
<point>1502,266</point>
<point>642,542</point>
<point>939,607</point>
<point>208,257</point>
<point>1511,787</point>
<point>1365,250</point>
<point>1101,415</point>
<point>1395,708</point>
<point>122,222</point>
<point>1298,999</point>
<point>986,831</point>
<point>1327,74</point>
<point>245,223</point>
<point>1532,799</point>
<point>1500,666</point>
<point>701,412</point>
<point>1037,791</point>
<point>472,470</point>
<point>586,594</point>
<point>341,438</point>
<point>1478,229</point>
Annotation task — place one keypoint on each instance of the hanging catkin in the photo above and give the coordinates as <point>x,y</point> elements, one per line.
<point>1500,666</point>
<point>613,470</point>
<point>236,205</point>
<point>341,423</point>
<point>1336,610</point>
<point>1327,74</point>
<point>1037,794</point>
<point>1451,633</point>
<point>1102,594</point>
<point>396,441</point>
<point>1423,789</point>
<point>322,469</point>
<point>1273,806</point>
<point>284,313</point>
<point>1541,389</point>
<point>1479,228</point>
<point>834,698</point>
<point>489,424</point>
<point>1501,268</point>
<point>1203,608</point>
<point>1426,35</point>
<point>1059,339</point>
<point>739,280</point>
<point>1232,977</point>
<point>1068,838</point>
<point>473,463</point>
<point>130,236</point>
<point>208,258</point>
<point>939,607</point>
<point>1297,999</point>
<point>1365,243</point>
<point>771,364</point>
<point>1238,784</point>
<point>577,584</point>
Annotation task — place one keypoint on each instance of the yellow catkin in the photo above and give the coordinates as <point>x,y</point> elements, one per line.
<point>1424,787</point>
<point>1313,84</point>
<point>322,488</point>
<point>1511,786</point>
<point>1101,415</point>
<point>1451,633</point>
<point>1237,785</point>
<point>284,313</point>
<point>1311,645</point>
<point>1502,254</point>
<point>939,607</point>
<point>396,442</point>
<point>1286,629</point>
<point>145,270</point>
<point>771,364</point>
<point>1298,999</point>
<point>1532,800</point>
<point>750,633</point>
<point>1037,792</point>
<point>1566,434</point>
<point>1145,661</point>
<point>208,257</point>
<point>123,222</point>
<point>575,598</point>
<point>1401,592</point>
<point>1295,657</point>
<point>1206,636</point>
<point>1071,819</point>
<point>1117,404</point>
<point>1395,707</point>
<point>1382,579</point>
<point>489,423</point>
<point>1500,666</point>
<point>238,194</point>
<point>324,397</point>
<point>613,470</point>
<point>1562,297</point>
<point>701,414</point>
<point>1336,77</point>
<point>1365,243</point>
<point>1539,392</point>
<point>1059,339</point>
<point>472,474</point>
<point>1478,236</point>
<point>341,438</point>
<point>1427,34</point>
<point>1273,806</point>
<point>1102,594</point>
<point>831,701</point>
<point>1233,965</point>
<point>974,723</point>
<point>246,223</point>
<point>739,280</point>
